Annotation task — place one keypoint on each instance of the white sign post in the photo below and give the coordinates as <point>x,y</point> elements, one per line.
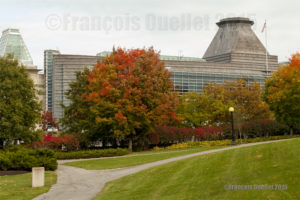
<point>38,176</point>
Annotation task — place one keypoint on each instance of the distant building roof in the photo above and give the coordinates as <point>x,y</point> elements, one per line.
<point>104,53</point>
<point>11,42</point>
<point>181,58</point>
<point>284,63</point>
<point>162,57</point>
<point>234,36</point>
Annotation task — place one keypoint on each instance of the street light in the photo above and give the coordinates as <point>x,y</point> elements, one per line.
<point>231,110</point>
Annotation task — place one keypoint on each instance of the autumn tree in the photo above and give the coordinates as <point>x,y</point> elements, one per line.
<point>246,99</point>
<point>19,106</point>
<point>202,109</point>
<point>282,93</point>
<point>244,96</point>
<point>125,96</point>
<point>48,120</point>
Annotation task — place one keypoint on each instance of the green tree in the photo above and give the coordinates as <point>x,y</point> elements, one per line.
<point>202,109</point>
<point>282,93</point>
<point>19,107</point>
<point>77,116</point>
<point>125,96</point>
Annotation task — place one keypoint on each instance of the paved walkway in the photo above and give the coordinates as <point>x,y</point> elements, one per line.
<point>80,184</point>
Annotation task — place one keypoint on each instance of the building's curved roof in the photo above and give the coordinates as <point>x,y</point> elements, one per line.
<point>234,36</point>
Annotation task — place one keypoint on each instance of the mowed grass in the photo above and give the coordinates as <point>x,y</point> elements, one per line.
<point>135,159</point>
<point>18,187</point>
<point>208,176</point>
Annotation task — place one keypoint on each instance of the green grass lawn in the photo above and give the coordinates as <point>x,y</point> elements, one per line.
<point>135,159</point>
<point>207,176</point>
<point>18,187</point>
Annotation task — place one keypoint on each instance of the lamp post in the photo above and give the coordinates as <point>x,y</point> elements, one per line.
<point>231,110</point>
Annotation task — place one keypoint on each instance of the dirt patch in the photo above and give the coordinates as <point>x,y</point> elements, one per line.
<point>10,172</point>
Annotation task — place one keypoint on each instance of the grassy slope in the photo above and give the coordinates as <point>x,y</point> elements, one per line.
<point>18,187</point>
<point>137,159</point>
<point>204,177</point>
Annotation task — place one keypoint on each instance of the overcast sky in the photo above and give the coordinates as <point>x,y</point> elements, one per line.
<point>172,26</point>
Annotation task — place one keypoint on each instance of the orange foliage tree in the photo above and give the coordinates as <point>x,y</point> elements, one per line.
<point>128,93</point>
<point>282,93</point>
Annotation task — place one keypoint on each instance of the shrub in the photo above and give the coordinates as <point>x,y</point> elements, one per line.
<point>208,132</point>
<point>4,162</point>
<point>21,158</point>
<point>261,128</point>
<point>92,153</point>
<point>200,144</point>
<point>67,141</point>
<point>170,134</point>
<point>46,158</point>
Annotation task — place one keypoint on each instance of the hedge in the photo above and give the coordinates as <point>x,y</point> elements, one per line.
<point>222,142</point>
<point>92,153</point>
<point>21,158</point>
<point>261,128</point>
<point>171,134</point>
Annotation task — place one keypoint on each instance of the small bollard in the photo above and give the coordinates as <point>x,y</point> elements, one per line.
<point>38,176</point>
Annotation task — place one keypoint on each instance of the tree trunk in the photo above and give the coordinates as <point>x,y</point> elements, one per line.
<point>240,133</point>
<point>291,132</point>
<point>103,143</point>
<point>1,144</point>
<point>130,143</point>
<point>118,142</point>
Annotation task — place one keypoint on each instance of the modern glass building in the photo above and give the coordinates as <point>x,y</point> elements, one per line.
<point>48,71</point>
<point>11,42</point>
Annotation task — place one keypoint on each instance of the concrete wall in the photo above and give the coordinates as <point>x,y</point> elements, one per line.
<point>64,72</point>
<point>39,83</point>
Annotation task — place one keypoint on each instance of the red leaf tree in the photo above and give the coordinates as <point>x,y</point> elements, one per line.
<point>48,120</point>
<point>128,94</point>
<point>70,142</point>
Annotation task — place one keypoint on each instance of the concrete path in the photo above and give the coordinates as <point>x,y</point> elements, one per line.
<point>80,184</point>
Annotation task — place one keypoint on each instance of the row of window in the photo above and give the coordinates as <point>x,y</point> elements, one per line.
<point>195,82</point>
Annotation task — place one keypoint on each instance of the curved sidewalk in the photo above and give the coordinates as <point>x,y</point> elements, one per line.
<point>80,184</point>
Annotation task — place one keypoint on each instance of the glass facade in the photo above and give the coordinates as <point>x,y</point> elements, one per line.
<point>48,66</point>
<point>11,42</point>
<point>196,81</point>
